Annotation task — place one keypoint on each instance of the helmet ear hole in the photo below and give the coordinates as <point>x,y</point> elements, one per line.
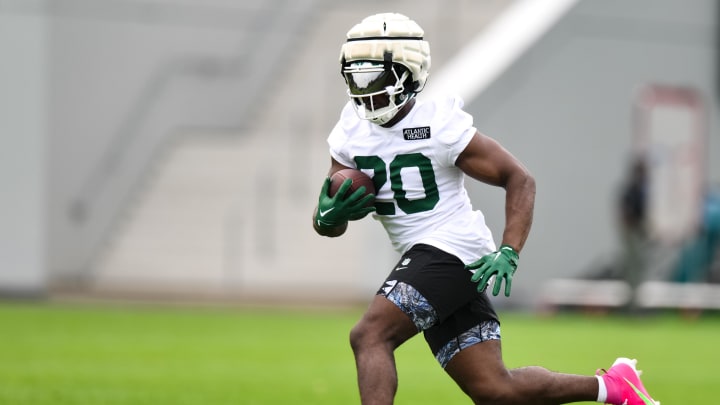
<point>414,85</point>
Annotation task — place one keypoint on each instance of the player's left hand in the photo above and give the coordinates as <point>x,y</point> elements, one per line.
<point>501,264</point>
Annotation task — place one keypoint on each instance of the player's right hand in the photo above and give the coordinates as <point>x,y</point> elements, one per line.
<point>336,210</point>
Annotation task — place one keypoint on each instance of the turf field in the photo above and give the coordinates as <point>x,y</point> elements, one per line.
<point>74,354</point>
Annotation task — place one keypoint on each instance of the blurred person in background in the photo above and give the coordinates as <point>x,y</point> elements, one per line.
<point>632,208</point>
<point>702,251</point>
<point>419,153</point>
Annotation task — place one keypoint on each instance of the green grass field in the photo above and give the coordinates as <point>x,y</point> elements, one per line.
<point>75,354</point>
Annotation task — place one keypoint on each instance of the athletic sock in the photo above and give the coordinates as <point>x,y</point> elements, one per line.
<point>602,390</point>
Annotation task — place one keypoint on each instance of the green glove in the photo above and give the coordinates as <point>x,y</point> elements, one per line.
<point>336,210</point>
<point>501,264</point>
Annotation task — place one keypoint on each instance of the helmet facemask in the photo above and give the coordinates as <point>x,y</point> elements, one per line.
<point>385,63</point>
<point>377,90</point>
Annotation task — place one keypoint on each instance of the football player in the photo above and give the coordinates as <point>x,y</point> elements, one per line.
<point>418,153</point>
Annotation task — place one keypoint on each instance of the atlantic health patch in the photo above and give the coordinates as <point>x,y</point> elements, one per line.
<point>414,134</point>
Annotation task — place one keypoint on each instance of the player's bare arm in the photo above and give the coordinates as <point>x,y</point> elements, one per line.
<point>485,160</point>
<point>336,166</point>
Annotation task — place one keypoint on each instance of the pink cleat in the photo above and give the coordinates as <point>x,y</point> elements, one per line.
<point>624,386</point>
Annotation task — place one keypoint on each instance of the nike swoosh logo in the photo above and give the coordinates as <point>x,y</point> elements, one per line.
<point>639,393</point>
<point>323,213</point>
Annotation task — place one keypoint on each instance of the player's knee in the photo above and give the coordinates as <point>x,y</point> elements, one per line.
<point>359,335</point>
<point>364,335</point>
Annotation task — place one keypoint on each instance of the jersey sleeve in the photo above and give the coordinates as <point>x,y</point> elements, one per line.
<point>454,127</point>
<point>338,138</point>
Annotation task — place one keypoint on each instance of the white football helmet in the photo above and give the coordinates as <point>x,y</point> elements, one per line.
<point>385,63</point>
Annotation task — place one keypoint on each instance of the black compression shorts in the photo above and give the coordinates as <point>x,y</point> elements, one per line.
<point>434,289</point>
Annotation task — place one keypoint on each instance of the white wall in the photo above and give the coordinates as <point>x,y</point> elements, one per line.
<point>565,108</point>
<point>22,153</point>
<point>91,92</point>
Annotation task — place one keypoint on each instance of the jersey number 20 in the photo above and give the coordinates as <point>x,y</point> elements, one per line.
<point>380,177</point>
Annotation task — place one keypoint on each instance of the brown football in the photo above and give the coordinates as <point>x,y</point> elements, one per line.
<point>359,179</point>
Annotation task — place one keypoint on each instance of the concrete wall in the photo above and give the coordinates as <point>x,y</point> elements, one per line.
<point>94,90</point>
<point>566,109</point>
<point>229,216</point>
<point>23,128</point>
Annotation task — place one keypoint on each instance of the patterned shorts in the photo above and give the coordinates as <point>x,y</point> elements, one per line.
<point>433,288</point>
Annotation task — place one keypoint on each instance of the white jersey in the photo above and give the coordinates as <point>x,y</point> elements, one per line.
<point>421,196</point>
